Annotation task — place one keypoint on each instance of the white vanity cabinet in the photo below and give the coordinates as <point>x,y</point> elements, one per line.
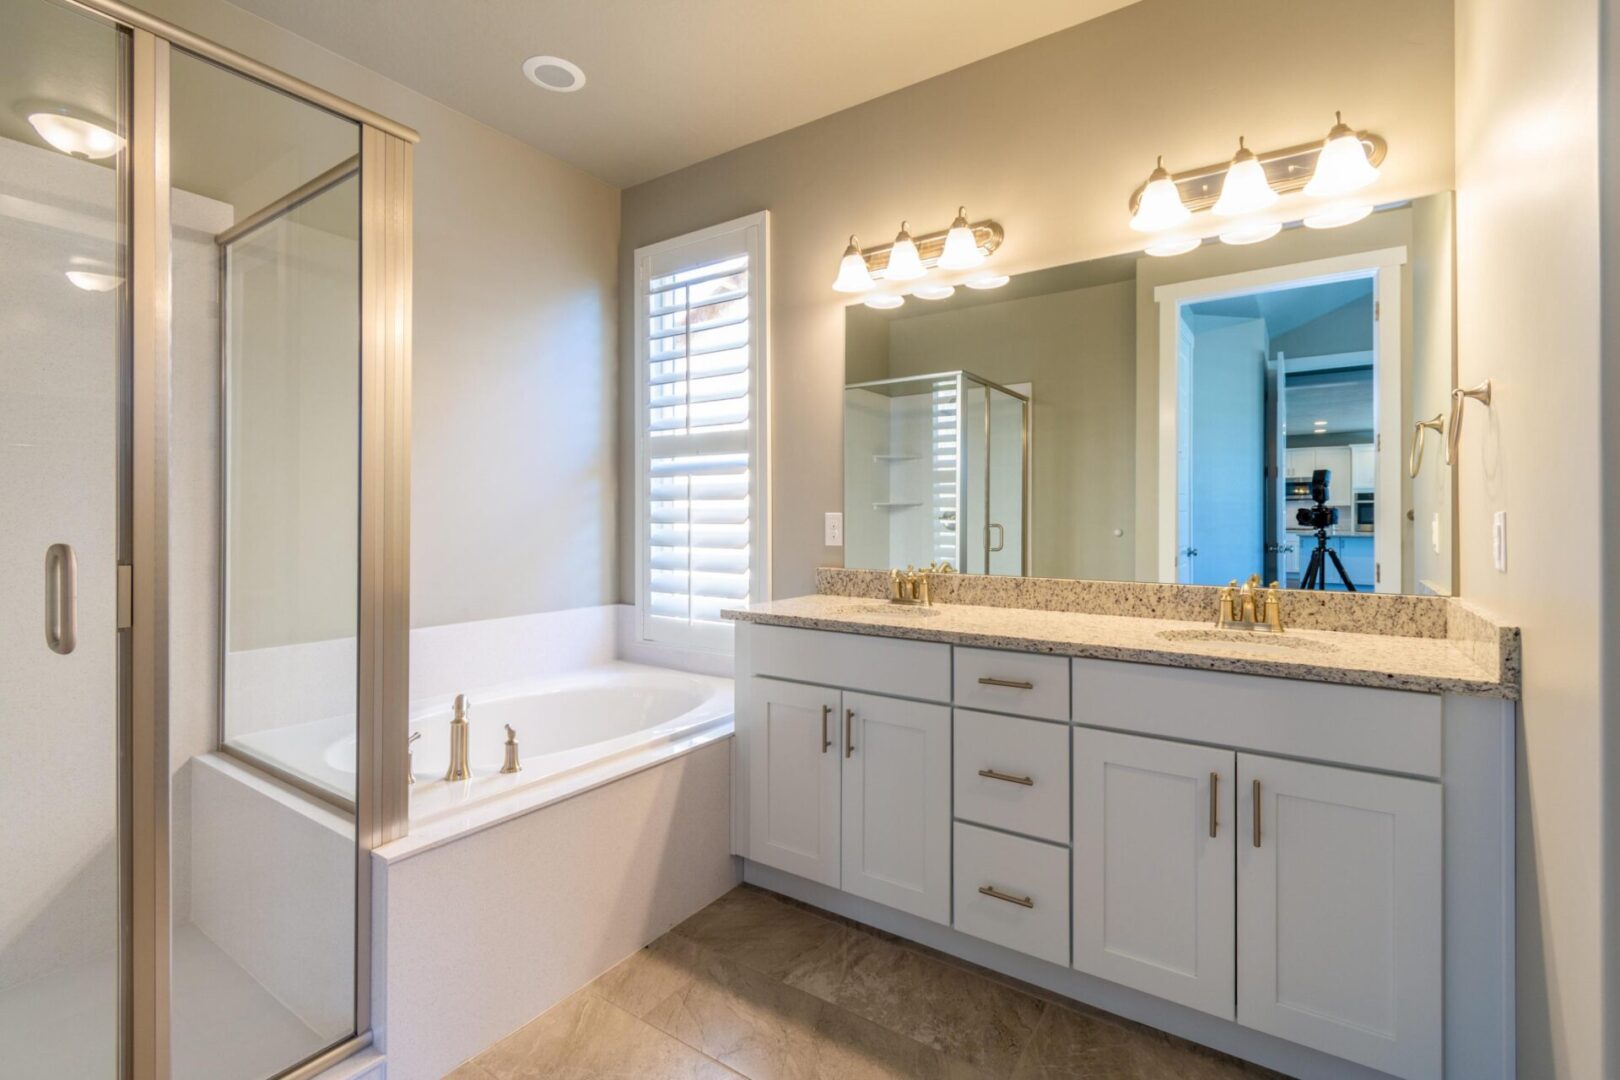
<point>1322,871</point>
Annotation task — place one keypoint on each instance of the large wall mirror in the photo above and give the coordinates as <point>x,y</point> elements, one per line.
<point>1230,411</point>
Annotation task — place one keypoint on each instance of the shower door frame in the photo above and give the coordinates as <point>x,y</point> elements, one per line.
<point>381,810</point>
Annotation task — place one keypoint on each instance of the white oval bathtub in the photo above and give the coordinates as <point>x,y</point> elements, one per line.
<point>563,723</point>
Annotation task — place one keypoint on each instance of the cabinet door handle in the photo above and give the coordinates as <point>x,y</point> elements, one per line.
<point>1021,901</point>
<point>1214,802</point>
<point>849,732</point>
<point>826,739</point>
<point>1011,684</point>
<point>991,774</point>
<point>1257,813</point>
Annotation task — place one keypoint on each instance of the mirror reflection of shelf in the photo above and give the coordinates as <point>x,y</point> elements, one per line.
<point>894,505</point>
<point>890,459</point>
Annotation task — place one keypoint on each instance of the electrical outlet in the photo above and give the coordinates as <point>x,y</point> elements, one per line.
<point>1499,539</point>
<point>834,529</point>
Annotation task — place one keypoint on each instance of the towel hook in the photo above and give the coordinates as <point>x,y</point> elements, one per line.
<point>1481,394</point>
<point>1414,460</point>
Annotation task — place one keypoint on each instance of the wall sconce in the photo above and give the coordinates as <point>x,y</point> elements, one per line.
<point>963,246</point>
<point>1343,162</point>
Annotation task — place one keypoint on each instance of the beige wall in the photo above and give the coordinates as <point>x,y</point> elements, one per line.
<point>1529,318</point>
<point>1076,350</point>
<point>1049,139</point>
<point>513,482</point>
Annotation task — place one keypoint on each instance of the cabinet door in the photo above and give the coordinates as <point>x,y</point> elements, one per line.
<point>1153,895</point>
<point>1363,467</point>
<point>1339,912</point>
<point>793,778</point>
<point>897,804</point>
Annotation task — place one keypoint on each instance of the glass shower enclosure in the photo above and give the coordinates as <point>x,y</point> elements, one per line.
<point>936,469</point>
<point>204,415</point>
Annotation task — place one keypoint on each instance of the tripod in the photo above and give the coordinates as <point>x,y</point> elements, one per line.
<point>1316,569</point>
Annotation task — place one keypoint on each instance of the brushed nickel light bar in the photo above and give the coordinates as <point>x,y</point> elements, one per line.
<point>1288,169</point>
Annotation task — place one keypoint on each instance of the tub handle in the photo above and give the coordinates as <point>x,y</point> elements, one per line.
<point>826,739</point>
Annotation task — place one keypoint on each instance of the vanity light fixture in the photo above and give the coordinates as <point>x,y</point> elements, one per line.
<point>853,273</point>
<point>1342,166</point>
<point>1167,246</point>
<point>1245,189</point>
<point>904,262</point>
<point>961,251</point>
<point>1251,232</point>
<point>90,281</point>
<point>78,137</point>
<point>884,301</point>
<point>1335,216</point>
<point>1160,207</point>
<point>934,292</point>
<point>987,281</point>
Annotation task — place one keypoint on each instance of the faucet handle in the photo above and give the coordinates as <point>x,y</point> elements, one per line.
<point>462,707</point>
<point>511,735</point>
<point>414,736</point>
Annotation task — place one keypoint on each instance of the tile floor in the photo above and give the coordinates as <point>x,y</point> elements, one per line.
<point>761,987</point>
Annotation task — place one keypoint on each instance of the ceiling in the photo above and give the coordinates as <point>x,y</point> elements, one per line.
<point>668,82</point>
<point>1287,309</point>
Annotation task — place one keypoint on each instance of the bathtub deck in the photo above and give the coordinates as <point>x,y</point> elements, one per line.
<point>759,987</point>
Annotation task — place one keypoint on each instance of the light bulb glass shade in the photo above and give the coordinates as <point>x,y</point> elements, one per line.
<point>1335,216</point>
<point>93,282</point>
<point>961,249</point>
<point>853,276</point>
<point>988,281</point>
<point>904,262</point>
<point>71,135</point>
<point>1160,207</point>
<point>1342,166</point>
<point>934,292</point>
<point>1172,245</point>
<point>884,301</point>
<point>1245,188</point>
<point>1251,232</point>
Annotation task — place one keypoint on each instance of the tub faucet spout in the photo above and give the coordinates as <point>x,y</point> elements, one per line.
<point>459,767</point>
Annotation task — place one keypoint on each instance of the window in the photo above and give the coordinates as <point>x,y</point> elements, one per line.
<point>700,438</point>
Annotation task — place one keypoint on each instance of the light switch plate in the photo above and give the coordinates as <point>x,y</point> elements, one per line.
<point>834,529</point>
<point>1434,532</point>
<point>1499,539</point>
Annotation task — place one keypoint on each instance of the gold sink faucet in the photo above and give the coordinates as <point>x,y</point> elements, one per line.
<point>460,768</point>
<point>913,586</point>
<point>1252,607</point>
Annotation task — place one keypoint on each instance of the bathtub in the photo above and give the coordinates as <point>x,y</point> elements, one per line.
<point>607,719</point>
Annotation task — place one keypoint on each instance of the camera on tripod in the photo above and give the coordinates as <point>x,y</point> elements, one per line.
<point>1320,516</point>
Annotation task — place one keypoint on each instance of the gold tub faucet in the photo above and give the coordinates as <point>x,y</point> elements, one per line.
<point>512,763</point>
<point>460,768</point>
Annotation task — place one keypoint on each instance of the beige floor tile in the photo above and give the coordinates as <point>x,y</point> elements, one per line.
<point>587,1038</point>
<point>1074,1045</point>
<point>470,1070</point>
<point>961,1014</point>
<point>751,928</point>
<point>768,1030</point>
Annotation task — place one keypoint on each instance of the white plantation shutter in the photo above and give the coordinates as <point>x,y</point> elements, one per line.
<point>700,361</point>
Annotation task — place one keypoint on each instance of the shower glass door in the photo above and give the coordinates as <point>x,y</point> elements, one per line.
<point>63,305</point>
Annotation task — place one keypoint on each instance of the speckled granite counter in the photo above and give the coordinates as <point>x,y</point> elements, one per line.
<point>1429,664</point>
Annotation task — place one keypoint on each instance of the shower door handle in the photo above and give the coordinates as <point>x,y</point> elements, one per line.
<point>61,598</point>
<point>1001,537</point>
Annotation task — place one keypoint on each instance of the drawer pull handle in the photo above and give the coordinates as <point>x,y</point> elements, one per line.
<point>826,740</point>
<point>991,774</point>
<point>1021,901</point>
<point>1214,786</point>
<point>849,732</point>
<point>1010,684</point>
<point>1257,813</point>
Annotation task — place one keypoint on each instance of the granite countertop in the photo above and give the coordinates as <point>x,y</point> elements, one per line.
<point>1426,664</point>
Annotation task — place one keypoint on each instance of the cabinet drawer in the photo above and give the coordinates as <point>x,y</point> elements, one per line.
<point>912,669</point>
<point>1031,912</point>
<point>1029,792</point>
<point>1022,683</point>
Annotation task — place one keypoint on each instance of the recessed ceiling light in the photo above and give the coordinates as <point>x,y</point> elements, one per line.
<point>554,73</point>
<point>884,301</point>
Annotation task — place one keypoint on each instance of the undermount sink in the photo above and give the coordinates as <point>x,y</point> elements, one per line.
<point>1245,639</point>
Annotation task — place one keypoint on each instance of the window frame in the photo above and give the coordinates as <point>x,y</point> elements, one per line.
<point>753,239</point>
